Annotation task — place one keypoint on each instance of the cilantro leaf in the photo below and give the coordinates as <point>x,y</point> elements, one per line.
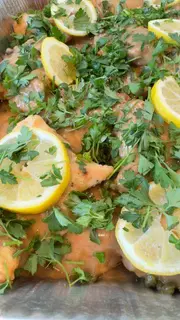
<point>81,20</point>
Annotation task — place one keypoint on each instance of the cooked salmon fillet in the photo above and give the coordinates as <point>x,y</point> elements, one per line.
<point>8,264</point>
<point>80,180</point>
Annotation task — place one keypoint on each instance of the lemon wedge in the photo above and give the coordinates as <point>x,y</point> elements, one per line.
<point>167,29</point>
<point>74,17</point>
<point>165,96</point>
<point>55,67</point>
<point>41,180</point>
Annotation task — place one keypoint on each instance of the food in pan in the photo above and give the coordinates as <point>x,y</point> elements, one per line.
<point>90,143</point>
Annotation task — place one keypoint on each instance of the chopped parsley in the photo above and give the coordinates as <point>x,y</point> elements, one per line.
<point>81,20</point>
<point>51,178</point>
<point>100,256</point>
<point>13,228</point>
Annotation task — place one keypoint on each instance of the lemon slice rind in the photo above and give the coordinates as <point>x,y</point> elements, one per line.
<point>160,28</point>
<point>85,4</point>
<point>50,195</point>
<point>55,67</point>
<point>139,257</point>
<point>168,108</point>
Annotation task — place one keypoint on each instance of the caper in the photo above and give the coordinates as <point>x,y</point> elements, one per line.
<point>150,281</point>
<point>168,288</point>
<point>159,285</point>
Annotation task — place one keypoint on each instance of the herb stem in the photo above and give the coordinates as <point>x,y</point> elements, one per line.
<point>64,270</point>
<point>146,217</point>
<point>118,165</point>
<point>18,243</point>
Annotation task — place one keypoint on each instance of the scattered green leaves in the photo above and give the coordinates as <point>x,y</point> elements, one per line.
<point>51,178</point>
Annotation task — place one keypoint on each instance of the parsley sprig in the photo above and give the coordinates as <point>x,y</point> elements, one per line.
<point>13,228</point>
<point>140,210</point>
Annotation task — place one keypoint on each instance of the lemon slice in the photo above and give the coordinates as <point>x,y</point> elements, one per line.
<point>157,194</point>
<point>55,67</point>
<point>74,17</point>
<point>165,96</point>
<point>163,28</point>
<point>150,251</point>
<point>157,3</point>
<point>30,194</point>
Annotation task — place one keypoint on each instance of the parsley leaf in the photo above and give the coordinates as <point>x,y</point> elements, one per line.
<point>81,20</point>
<point>175,36</point>
<point>52,150</point>
<point>100,256</point>
<point>94,236</point>
<point>13,228</point>
<point>61,12</point>
<point>139,220</point>
<point>31,264</point>
<point>171,221</point>
<point>175,241</point>
<point>173,198</point>
<point>144,165</point>
<point>7,177</point>
<point>11,150</point>
<point>93,214</point>
<point>161,175</point>
<point>81,276</point>
<point>57,221</point>
<point>51,178</point>
<point>7,284</point>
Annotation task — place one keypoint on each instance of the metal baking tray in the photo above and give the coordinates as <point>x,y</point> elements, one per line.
<point>124,299</point>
